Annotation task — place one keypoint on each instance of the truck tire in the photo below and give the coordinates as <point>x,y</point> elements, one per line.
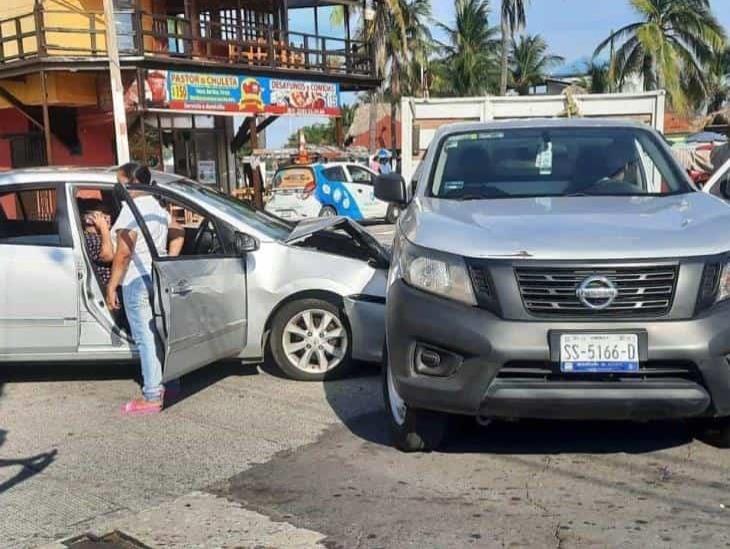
<point>411,430</point>
<point>714,431</point>
<point>311,340</point>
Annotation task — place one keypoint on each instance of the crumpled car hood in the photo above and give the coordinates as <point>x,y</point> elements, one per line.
<point>615,227</point>
<point>308,227</point>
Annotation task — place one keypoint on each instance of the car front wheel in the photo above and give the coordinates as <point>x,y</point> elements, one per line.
<point>393,214</point>
<point>412,430</point>
<point>311,341</point>
<point>327,211</point>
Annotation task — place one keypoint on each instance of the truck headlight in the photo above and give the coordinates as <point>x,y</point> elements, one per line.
<point>723,289</point>
<point>434,272</point>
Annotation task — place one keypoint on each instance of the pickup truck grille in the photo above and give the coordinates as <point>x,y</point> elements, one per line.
<point>643,291</point>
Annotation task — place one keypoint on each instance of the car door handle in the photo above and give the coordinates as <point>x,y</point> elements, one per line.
<point>181,290</point>
<point>360,191</point>
<point>183,287</point>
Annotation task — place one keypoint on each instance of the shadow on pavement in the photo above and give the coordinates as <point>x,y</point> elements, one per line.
<point>201,379</point>
<point>189,385</point>
<point>572,437</point>
<point>519,437</point>
<point>29,466</point>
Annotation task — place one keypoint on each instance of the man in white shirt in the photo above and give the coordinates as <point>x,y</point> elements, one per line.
<point>132,270</point>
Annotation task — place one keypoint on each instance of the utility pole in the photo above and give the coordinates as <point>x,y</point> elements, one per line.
<point>115,75</point>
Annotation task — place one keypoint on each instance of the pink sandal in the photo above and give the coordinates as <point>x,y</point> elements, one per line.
<point>140,407</point>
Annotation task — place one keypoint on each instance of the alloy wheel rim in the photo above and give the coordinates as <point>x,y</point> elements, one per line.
<point>398,407</point>
<point>315,341</point>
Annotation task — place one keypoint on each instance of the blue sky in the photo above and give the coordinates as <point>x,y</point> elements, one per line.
<point>572,28</point>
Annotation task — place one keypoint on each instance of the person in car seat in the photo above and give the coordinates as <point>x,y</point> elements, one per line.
<point>97,238</point>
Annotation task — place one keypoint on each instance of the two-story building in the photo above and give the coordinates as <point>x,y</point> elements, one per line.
<point>189,68</point>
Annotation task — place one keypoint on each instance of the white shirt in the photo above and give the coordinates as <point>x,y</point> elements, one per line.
<point>157,220</point>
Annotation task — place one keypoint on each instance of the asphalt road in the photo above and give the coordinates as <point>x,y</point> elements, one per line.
<point>248,459</point>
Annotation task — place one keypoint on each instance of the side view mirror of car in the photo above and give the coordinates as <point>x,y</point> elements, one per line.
<point>245,243</point>
<point>391,188</point>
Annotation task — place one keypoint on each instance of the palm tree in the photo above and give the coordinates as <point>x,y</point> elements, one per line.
<point>530,62</point>
<point>599,78</point>
<point>719,80</point>
<point>469,65</point>
<point>513,19</point>
<point>376,32</point>
<point>407,48</point>
<point>669,46</point>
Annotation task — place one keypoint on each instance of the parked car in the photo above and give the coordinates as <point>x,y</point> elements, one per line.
<point>246,281</point>
<point>327,190</point>
<point>563,269</point>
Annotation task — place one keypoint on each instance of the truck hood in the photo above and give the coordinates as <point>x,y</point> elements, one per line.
<point>615,227</point>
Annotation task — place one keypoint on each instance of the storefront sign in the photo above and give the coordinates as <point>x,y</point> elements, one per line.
<point>235,94</point>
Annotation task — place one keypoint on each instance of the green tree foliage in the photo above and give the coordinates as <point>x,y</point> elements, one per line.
<point>669,47</point>
<point>324,134</point>
<point>530,62</point>
<point>513,18</point>
<point>469,64</point>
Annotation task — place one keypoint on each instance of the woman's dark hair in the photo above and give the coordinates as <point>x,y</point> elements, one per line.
<point>143,175</point>
<point>129,169</point>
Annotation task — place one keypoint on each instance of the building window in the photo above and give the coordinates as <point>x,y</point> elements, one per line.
<point>28,150</point>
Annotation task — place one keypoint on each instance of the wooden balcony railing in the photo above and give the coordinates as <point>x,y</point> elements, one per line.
<point>76,34</point>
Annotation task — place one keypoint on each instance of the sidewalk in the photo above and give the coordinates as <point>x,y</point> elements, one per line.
<point>204,520</point>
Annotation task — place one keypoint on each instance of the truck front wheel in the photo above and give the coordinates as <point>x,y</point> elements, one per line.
<point>412,430</point>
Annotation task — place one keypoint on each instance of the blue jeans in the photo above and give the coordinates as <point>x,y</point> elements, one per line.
<point>141,321</point>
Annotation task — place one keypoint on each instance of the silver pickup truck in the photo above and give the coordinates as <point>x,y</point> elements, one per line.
<point>563,269</point>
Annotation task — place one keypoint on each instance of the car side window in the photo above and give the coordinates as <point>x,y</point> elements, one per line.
<point>200,232</point>
<point>335,173</point>
<point>360,175</point>
<point>29,217</point>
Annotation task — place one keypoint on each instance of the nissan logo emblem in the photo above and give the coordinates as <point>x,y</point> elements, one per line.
<point>597,292</point>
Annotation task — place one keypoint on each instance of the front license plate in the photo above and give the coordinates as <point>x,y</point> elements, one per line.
<point>599,353</point>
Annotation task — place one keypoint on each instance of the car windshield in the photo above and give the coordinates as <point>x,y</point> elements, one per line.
<point>267,224</point>
<point>568,161</point>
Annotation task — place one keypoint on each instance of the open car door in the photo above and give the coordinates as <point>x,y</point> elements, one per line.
<point>199,302</point>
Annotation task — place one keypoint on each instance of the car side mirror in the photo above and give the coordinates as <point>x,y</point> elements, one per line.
<point>725,188</point>
<point>391,188</point>
<point>245,243</point>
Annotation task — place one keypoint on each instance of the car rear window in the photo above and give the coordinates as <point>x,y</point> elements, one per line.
<point>514,163</point>
<point>293,178</point>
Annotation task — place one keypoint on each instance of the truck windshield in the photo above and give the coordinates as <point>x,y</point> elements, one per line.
<point>569,161</point>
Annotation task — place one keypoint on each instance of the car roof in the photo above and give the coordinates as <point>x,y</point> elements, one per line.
<point>71,174</point>
<point>317,165</point>
<point>532,123</point>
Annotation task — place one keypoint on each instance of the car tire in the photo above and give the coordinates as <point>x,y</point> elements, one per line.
<point>297,331</point>
<point>392,214</point>
<point>327,211</point>
<point>714,431</point>
<point>411,429</point>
